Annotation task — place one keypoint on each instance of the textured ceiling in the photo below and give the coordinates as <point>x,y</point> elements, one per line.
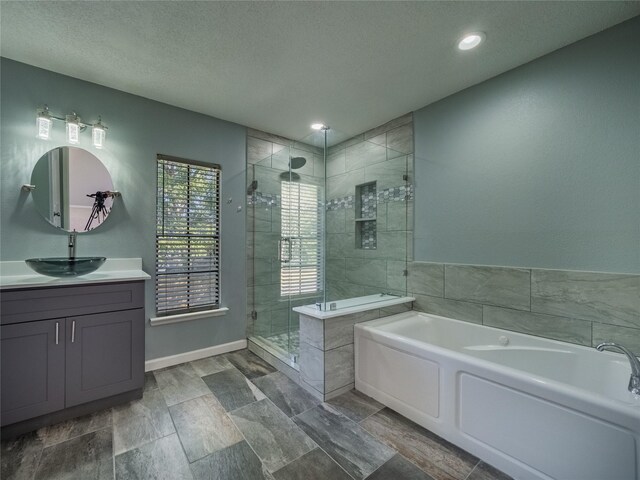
<point>279,66</point>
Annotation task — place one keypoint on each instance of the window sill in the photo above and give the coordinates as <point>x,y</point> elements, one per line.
<point>186,317</point>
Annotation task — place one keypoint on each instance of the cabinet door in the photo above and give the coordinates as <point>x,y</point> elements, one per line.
<point>33,381</point>
<point>105,355</point>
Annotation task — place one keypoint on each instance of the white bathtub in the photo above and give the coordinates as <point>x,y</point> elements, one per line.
<point>534,408</point>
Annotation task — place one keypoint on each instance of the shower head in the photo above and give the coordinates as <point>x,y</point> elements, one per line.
<point>290,176</point>
<point>297,162</point>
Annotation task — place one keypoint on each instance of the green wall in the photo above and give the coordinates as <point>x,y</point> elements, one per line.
<point>538,167</point>
<point>138,130</point>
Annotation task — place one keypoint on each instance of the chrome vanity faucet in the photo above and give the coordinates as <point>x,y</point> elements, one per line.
<point>634,381</point>
<point>72,244</point>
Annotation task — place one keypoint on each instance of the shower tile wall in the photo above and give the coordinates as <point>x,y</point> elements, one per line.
<point>383,155</point>
<point>267,158</point>
<point>585,308</point>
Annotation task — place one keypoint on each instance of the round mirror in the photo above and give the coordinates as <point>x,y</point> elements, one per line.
<point>74,190</point>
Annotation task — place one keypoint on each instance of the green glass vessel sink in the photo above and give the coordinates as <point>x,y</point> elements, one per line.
<point>64,266</point>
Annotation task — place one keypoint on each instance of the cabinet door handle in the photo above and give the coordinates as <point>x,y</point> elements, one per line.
<point>57,333</point>
<point>73,331</point>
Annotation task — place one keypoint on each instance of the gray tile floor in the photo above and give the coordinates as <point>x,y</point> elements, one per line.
<point>234,417</point>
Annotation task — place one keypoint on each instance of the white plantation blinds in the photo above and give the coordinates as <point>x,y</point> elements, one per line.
<point>300,243</point>
<point>187,236</point>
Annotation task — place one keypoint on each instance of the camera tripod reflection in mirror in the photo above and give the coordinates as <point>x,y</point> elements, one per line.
<point>99,211</point>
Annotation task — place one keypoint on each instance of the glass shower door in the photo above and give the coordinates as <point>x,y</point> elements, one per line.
<point>269,323</point>
<point>285,217</point>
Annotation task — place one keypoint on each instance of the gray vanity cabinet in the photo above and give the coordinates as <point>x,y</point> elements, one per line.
<point>69,347</point>
<point>32,369</point>
<point>102,358</point>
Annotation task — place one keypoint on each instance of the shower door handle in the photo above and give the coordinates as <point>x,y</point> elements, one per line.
<point>281,257</point>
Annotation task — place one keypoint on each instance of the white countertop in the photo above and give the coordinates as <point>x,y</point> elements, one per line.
<point>16,274</point>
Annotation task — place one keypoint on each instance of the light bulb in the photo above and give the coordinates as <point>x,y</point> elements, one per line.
<point>98,134</point>
<point>318,126</point>
<point>43,123</point>
<point>73,129</point>
<point>471,40</point>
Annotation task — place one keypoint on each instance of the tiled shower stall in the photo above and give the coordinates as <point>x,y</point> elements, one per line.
<point>346,214</point>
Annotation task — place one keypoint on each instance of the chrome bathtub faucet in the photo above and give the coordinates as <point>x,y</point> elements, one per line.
<point>634,381</point>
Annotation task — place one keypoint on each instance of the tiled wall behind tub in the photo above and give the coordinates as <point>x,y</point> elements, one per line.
<point>267,158</point>
<point>585,308</point>
<point>383,155</point>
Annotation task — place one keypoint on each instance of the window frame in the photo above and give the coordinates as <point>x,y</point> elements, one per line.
<point>214,270</point>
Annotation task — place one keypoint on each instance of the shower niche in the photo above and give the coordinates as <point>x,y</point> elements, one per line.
<point>366,208</point>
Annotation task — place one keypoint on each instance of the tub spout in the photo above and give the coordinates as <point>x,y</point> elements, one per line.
<point>634,381</point>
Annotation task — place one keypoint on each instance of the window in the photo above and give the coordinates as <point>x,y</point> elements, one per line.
<point>187,236</point>
<point>300,271</point>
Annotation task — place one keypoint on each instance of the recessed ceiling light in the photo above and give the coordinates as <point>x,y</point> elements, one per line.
<point>318,126</point>
<point>471,40</point>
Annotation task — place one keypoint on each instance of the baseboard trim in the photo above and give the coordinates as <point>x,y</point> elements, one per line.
<point>171,360</point>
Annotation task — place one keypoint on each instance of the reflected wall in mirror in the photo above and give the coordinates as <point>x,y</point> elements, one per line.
<point>74,190</point>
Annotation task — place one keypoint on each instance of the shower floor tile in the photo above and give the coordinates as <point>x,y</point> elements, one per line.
<point>283,342</point>
<point>274,435</point>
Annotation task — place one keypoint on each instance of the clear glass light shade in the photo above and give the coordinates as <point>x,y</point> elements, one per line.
<point>73,129</point>
<point>43,125</point>
<point>98,135</point>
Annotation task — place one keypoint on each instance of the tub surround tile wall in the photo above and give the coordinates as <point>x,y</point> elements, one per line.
<point>469,312</point>
<point>603,298</point>
<point>506,287</point>
<point>557,328</point>
<point>585,308</point>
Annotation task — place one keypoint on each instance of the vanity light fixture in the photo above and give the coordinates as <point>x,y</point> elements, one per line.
<point>471,40</point>
<point>73,125</point>
<point>43,123</point>
<point>73,129</point>
<point>98,133</point>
